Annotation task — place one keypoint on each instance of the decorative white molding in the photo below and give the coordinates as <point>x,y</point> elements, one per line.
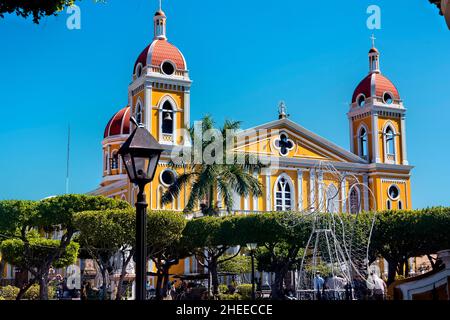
<point>366,192</point>
<point>403,141</point>
<point>268,193</point>
<point>343,195</point>
<point>375,139</point>
<point>148,107</point>
<point>300,189</point>
<point>255,198</point>
<point>312,189</point>
<point>320,190</point>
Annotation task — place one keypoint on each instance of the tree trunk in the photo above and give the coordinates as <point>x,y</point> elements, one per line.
<point>165,280</point>
<point>392,270</point>
<point>2,267</point>
<point>214,278</point>
<point>104,288</point>
<point>123,273</point>
<point>158,284</point>
<point>277,289</point>
<point>43,287</point>
<point>23,290</point>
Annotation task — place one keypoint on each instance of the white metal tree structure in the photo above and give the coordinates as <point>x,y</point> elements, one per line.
<point>338,245</point>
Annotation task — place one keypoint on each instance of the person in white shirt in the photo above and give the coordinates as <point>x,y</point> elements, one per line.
<point>377,286</point>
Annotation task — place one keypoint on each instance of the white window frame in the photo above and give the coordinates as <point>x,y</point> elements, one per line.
<point>283,198</point>
<point>360,150</point>
<point>175,111</point>
<point>354,187</point>
<point>387,155</point>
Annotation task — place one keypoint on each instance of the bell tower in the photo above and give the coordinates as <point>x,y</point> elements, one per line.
<point>377,117</point>
<point>159,93</point>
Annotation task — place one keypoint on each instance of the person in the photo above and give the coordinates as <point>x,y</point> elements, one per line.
<point>335,284</point>
<point>173,290</point>
<point>379,287</point>
<point>318,285</point>
<point>83,294</point>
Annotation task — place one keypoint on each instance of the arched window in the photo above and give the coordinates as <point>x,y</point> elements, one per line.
<point>106,161</point>
<point>114,160</point>
<point>167,118</point>
<point>388,204</point>
<point>283,194</point>
<point>332,199</point>
<point>363,143</point>
<point>138,113</point>
<point>390,141</point>
<point>354,201</point>
<point>400,205</point>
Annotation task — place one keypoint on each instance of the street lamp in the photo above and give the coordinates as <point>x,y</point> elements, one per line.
<point>140,154</point>
<point>252,248</point>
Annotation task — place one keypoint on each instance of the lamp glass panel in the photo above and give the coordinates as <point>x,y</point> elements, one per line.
<point>142,165</point>
<point>127,160</point>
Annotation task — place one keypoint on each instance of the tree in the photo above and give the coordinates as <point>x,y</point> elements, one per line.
<point>37,9</point>
<point>400,235</point>
<point>226,174</point>
<point>164,232</point>
<point>14,215</point>
<point>209,239</point>
<point>240,265</point>
<point>281,237</point>
<point>30,221</point>
<point>105,234</point>
<point>29,254</point>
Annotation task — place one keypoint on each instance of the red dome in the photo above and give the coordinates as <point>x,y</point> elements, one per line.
<point>375,84</point>
<point>157,52</point>
<point>119,124</point>
<point>160,13</point>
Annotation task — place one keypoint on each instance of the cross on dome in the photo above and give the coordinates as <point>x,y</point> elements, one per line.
<point>373,40</point>
<point>160,23</point>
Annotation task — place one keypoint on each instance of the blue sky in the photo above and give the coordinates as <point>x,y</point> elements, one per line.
<point>244,57</point>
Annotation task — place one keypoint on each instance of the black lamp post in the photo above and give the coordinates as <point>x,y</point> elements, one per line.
<point>140,154</point>
<point>252,248</point>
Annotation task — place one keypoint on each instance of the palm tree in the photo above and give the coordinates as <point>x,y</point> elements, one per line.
<point>204,179</point>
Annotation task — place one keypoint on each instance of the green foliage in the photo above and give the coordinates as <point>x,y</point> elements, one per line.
<point>33,293</point>
<point>209,232</point>
<point>245,291</point>
<point>61,210</point>
<point>164,228</point>
<point>107,230</point>
<point>15,214</point>
<point>32,253</point>
<point>239,264</point>
<point>9,293</point>
<point>223,288</point>
<point>400,235</point>
<point>37,9</point>
<point>225,296</point>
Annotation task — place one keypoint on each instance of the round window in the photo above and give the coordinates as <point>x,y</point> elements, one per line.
<point>168,67</point>
<point>168,177</point>
<point>139,70</point>
<point>361,100</point>
<point>393,192</point>
<point>387,98</point>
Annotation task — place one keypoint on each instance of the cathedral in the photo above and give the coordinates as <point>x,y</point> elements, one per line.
<point>310,172</point>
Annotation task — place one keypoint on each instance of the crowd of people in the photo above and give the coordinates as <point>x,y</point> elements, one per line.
<point>335,287</point>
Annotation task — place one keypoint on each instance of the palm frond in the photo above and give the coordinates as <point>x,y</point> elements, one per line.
<point>174,190</point>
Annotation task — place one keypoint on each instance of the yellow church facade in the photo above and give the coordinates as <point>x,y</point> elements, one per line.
<point>305,172</point>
